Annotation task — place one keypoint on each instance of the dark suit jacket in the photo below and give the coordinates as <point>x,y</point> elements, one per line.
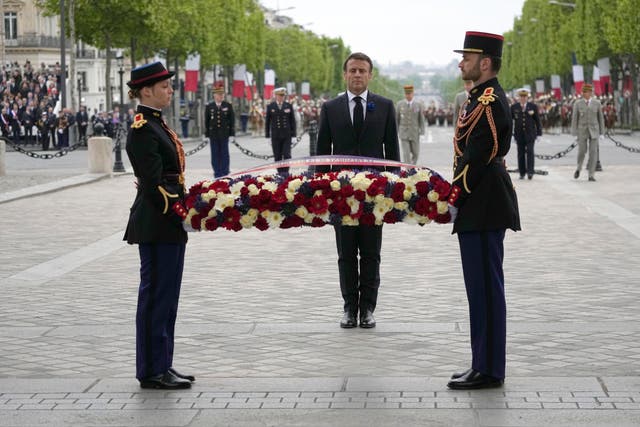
<point>379,136</point>
<point>526,124</point>
<point>219,122</point>
<point>487,200</point>
<point>155,162</point>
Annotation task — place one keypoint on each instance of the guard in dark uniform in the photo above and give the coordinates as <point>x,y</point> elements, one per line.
<point>486,205</point>
<point>526,128</point>
<point>155,224</point>
<point>280,125</point>
<point>219,125</point>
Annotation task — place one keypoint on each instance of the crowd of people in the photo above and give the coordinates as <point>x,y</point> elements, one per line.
<point>29,112</point>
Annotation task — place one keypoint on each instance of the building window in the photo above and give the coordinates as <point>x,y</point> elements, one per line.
<point>10,25</point>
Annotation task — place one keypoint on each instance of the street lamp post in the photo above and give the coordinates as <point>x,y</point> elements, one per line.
<point>118,166</point>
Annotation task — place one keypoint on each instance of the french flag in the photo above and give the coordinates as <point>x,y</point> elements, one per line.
<point>239,72</point>
<point>269,83</point>
<point>192,70</point>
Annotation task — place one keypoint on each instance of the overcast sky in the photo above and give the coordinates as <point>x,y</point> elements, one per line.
<point>391,31</point>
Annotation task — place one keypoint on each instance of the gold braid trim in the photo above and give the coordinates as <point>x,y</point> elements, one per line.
<point>463,174</point>
<point>166,195</point>
<point>494,132</point>
<point>179,149</point>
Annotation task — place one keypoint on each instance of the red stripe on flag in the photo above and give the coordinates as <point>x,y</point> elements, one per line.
<point>191,81</point>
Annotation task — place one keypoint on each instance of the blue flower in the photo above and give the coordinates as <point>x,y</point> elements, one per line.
<point>371,106</point>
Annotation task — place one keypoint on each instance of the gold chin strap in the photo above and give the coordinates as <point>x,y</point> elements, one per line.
<point>166,195</point>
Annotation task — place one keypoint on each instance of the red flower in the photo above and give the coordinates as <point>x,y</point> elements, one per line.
<point>422,187</point>
<point>397,193</point>
<point>390,217</point>
<point>320,184</point>
<point>292,221</point>
<point>359,195</point>
<point>219,186</point>
<point>317,205</point>
<point>231,218</point>
<point>422,206</point>
<point>211,224</point>
<point>261,223</point>
<point>347,190</point>
<point>443,188</point>
<point>195,222</point>
<point>279,196</point>
<point>299,199</point>
<point>317,222</point>
<point>367,219</point>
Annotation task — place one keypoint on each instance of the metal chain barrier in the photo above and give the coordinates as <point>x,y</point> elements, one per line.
<point>621,145</point>
<point>557,155</point>
<point>33,154</point>
<point>198,148</point>
<point>260,156</point>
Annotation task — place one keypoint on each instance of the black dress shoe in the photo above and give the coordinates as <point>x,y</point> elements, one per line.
<point>190,378</point>
<point>461,374</point>
<point>348,320</point>
<point>166,381</point>
<point>530,176</point>
<point>521,176</point>
<point>473,380</point>
<point>591,178</point>
<point>576,174</point>
<point>367,320</point>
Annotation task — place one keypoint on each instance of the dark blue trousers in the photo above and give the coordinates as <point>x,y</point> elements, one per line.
<point>220,156</point>
<point>161,267</point>
<point>482,254</point>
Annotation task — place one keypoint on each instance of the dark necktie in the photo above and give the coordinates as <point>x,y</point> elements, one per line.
<point>358,115</point>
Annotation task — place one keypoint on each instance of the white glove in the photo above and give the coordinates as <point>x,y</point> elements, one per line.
<point>454,212</point>
<point>187,227</point>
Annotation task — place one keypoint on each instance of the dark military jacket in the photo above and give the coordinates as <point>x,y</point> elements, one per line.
<point>280,122</point>
<point>526,124</point>
<point>158,163</point>
<point>482,189</point>
<point>219,122</point>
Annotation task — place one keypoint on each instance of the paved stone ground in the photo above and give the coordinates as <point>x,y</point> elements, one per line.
<point>259,312</point>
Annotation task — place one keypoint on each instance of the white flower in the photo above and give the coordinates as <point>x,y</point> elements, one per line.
<point>294,185</point>
<point>253,189</point>
<point>270,186</point>
<point>335,185</point>
<point>274,219</point>
<point>224,201</point>
<point>433,196</point>
<point>302,212</point>
<point>442,206</point>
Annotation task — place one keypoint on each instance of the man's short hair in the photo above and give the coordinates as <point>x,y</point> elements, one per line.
<point>359,56</point>
<point>496,62</point>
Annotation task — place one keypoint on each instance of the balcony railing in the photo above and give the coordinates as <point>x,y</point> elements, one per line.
<point>33,41</point>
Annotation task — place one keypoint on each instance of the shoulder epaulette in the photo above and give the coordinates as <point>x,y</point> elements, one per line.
<point>138,121</point>
<point>487,96</point>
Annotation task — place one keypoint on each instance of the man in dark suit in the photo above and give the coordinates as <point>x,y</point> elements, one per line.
<point>358,123</point>
<point>82,119</point>
<point>280,125</point>
<point>486,205</point>
<point>219,125</point>
<point>155,224</point>
<point>526,128</point>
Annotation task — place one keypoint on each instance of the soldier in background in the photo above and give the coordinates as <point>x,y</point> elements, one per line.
<point>280,126</point>
<point>410,121</point>
<point>460,99</point>
<point>526,128</point>
<point>219,125</point>
<point>587,123</point>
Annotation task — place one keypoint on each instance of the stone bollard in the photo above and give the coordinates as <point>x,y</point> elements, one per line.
<point>3,148</point>
<point>100,154</point>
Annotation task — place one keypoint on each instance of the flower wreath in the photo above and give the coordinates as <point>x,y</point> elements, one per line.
<point>414,196</point>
